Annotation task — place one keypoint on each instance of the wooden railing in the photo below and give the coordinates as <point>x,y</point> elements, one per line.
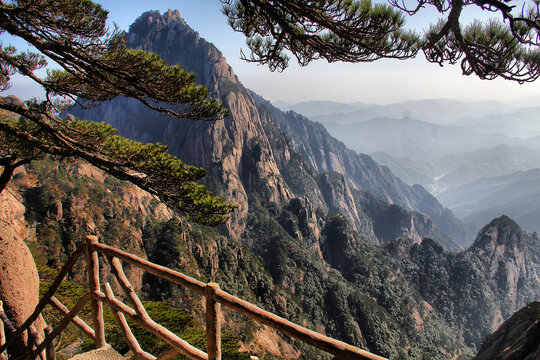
<point>214,296</point>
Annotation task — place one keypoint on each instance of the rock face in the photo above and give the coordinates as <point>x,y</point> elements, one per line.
<point>257,150</point>
<point>516,339</point>
<point>512,259</point>
<point>236,151</point>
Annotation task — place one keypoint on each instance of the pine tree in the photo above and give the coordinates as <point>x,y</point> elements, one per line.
<point>362,31</point>
<point>95,65</point>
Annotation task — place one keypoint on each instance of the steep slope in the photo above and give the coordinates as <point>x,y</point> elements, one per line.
<point>294,260</point>
<point>236,151</point>
<point>247,153</point>
<point>516,339</point>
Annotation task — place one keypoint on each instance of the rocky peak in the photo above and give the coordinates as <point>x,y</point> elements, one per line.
<point>511,257</point>
<point>155,18</point>
<point>168,35</point>
<point>237,151</point>
<point>500,232</point>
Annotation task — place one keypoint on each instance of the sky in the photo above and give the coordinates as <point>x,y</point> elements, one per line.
<point>381,82</point>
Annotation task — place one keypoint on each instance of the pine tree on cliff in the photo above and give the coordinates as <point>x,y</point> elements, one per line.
<point>95,65</point>
<point>362,31</point>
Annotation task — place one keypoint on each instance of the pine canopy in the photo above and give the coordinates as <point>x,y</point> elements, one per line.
<point>95,65</point>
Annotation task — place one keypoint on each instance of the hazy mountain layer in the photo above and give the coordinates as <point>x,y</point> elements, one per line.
<point>522,122</point>
<point>414,139</point>
<point>452,170</point>
<point>437,111</point>
<point>516,195</point>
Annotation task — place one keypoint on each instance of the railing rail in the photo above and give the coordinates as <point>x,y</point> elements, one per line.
<point>214,297</point>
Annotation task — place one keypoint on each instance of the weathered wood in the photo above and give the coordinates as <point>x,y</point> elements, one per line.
<point>132,343</point>
<point>80,323</point>
<point>340,349</point>
<point>9,330</point>
<point>93,282</point>
<point>117,270</point>
<point>168,354</point>
<point>158,270</point>
<point>213,327</point>
<point>8,326</point>
<point>65,322</point>
<point>33,340</point>
<point>45,299</point>
<point>50,352</point>
<point>181,345</point>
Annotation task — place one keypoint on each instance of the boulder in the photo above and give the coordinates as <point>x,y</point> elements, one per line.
<point>19,282</point>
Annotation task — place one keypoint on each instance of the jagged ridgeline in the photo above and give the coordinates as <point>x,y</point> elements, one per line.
<point>312,214</point>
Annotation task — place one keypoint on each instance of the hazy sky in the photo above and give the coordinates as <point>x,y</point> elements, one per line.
<point>383,81</point>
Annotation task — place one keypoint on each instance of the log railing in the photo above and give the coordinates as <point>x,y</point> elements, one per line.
<point>103,294</point>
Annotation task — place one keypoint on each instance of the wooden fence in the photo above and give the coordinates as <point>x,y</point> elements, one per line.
<point>214,297</point>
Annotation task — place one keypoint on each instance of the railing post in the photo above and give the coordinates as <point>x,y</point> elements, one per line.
<point>2,333</point>
<point>50,352</point>
<point>93,282</point>
<point>213,327</point>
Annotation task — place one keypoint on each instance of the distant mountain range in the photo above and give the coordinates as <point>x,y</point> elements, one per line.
<point>449,171</point>
<point>437,111</point>
<point>517,195</point>
<point>414,139</point>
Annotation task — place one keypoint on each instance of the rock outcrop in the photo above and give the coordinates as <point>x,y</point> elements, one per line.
<point>512,259</point>
<point>478,288</point>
